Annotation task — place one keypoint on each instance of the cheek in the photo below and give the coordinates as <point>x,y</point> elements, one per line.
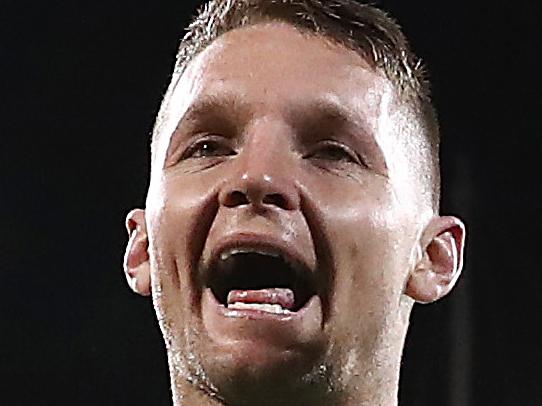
<point>177,208</point>
<point>178,212</point>
<point>371,249</point>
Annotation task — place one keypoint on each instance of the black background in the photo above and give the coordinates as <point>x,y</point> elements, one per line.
<point>80,84</point>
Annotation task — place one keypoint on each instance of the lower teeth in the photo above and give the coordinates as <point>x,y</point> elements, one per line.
<point>264,307</point>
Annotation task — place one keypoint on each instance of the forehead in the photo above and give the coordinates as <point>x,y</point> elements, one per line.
<point>272,63</point>
<point>270,66</point>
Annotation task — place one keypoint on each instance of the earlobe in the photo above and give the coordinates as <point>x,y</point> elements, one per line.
<point>136,258</point>
<point>441,262</point>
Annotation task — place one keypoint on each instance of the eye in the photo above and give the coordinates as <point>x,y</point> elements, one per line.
<point>334,151</point>
<point>208,147</point>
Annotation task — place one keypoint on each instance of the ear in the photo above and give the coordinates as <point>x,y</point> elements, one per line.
<point>440,262</point>
<point>136,258</point>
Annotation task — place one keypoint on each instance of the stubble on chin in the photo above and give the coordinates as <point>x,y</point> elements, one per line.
<point>318,387</point>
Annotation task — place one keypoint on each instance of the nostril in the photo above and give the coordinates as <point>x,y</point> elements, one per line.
<point>276,199</point>
<point>236,198</point>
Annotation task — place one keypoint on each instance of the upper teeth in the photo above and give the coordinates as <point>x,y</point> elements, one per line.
<point>264,307</point>
<point>224,255</point>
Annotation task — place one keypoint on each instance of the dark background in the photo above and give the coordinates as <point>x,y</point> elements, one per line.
<point>80,84</point>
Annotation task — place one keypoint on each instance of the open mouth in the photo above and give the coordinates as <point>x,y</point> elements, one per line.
<point>262,280</point>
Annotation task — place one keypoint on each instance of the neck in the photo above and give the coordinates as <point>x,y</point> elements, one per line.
<point>376,390</point>
<point>196,397</point>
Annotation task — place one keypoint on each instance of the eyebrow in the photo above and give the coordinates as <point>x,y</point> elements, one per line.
<point>326,110</point>
<point>326,113</point>
<point>225,110</point>
<point>316,111</point>
<point>217,105</point>
<point>232,111</point>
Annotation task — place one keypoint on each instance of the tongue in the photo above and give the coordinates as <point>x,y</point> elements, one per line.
<point>281,296</point>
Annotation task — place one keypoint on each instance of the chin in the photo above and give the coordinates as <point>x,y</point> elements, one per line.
<point>258,360</point>
<point>246,373</point>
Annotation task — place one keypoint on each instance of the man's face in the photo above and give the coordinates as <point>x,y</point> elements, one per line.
<point>281,213</point>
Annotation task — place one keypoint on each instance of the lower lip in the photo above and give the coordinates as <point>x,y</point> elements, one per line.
<point>225,324</point>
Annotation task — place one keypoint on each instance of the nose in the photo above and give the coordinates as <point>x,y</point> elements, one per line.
<point>262,192</point>
<point>264,179</point>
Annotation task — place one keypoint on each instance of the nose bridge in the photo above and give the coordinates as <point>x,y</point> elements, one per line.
<point>267,143</point>
<point>264,172</point>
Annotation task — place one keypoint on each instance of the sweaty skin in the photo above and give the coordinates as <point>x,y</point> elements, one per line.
<point>274,137</point>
